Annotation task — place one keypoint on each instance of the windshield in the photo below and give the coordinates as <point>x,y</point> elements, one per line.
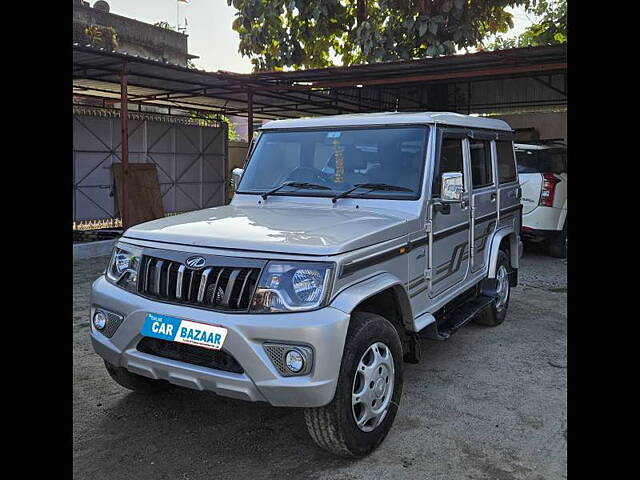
<point>338,160</point>
<point>542,161</point>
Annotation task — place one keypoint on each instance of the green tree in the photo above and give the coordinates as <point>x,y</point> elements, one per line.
<point>307,34</point>
<point>550,29</point>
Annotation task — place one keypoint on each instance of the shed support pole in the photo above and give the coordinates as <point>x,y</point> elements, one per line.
<point>249,115</point>
<point>124,120</point>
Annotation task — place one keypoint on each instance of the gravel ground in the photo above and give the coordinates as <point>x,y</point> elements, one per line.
<point>490,403</point>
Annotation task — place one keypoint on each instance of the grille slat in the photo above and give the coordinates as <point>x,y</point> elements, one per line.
<point>146,272</point>
<point>179,280</point>
<point>203,285</point>
<point>167,283</point>
<point>158,273</point>
<point>215,287</point>
<point>219,288</point>
<point>244,284</point>
<point>229,288</point>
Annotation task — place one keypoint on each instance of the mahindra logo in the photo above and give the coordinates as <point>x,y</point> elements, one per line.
<point>195,263</point>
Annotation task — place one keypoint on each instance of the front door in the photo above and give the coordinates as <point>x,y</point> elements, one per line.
<point>450,230</point>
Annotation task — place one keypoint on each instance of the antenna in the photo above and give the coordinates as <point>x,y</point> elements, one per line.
<point>178,27</point>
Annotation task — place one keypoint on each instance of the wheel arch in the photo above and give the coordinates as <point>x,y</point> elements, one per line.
<point>384,294</point>
<point>504,239</point>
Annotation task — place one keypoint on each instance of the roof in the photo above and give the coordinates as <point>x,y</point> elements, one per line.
<point>539,146</point>
<point>391,118</point>
<point>469,65</point>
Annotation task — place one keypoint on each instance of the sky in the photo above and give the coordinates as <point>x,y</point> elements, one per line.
<point>209,28</point>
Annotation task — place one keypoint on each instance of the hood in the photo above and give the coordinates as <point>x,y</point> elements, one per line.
<point>294,228</point>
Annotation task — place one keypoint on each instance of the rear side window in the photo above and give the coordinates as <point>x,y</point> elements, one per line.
<point>450,161</point>
<point>542,161</point>
<point>506,161</point>
<point>481,171</point>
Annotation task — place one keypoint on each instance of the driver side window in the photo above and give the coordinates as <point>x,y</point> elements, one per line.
<point>450,160</point>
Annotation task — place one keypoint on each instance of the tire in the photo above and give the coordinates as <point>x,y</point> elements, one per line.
<point>558,246</point>
<point>136,383</point>
<point>496,312</point>
<point>333,427</point>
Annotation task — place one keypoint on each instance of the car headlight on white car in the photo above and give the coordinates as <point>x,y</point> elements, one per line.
<point>124,265</point>
<point>292,287</point>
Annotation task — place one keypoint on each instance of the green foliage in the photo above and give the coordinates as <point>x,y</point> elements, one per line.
<point>202,118</point>
<point>308,34</point>
<point>233,134</point>
<point>551,29</point>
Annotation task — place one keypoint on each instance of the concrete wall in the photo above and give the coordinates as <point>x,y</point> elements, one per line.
<point>547,124</point>
<point>134,37</point>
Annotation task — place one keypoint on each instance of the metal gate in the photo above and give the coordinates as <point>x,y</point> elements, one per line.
<point>190,156</point>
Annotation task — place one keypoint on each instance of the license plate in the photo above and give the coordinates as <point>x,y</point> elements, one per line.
<point>184,331</point>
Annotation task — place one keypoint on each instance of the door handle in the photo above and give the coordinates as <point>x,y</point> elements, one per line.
<point>493,196</point>
<point>464,204</point>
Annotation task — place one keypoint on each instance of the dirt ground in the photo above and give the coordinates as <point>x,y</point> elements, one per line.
<point>489,403</point>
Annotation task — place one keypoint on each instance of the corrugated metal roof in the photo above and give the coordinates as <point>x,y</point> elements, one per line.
<point>327,91</point>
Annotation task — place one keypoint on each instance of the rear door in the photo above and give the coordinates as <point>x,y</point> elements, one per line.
<point>483,200</point>
<point>450,231</point>
<point>509,191</point>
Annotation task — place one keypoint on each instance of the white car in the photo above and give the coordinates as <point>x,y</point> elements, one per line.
<point>542,168</point>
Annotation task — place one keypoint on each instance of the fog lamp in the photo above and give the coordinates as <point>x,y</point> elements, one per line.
<point>294,361</point>
<point>99,320</point>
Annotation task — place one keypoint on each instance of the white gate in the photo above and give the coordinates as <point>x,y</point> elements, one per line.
<point>190,156</point>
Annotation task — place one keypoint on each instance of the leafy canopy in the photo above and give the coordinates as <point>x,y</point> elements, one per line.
<point>551,28</point>
<point>316,33</point>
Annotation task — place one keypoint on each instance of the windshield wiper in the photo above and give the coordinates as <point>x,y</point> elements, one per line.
<point>310,186</point>
<point>372,186</point>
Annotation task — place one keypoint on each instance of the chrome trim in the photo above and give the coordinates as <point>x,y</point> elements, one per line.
<point>215,287</point>
<point>179,281</point>
<point>203,284</point>
<point>229,287</point>
<point>158,275</point>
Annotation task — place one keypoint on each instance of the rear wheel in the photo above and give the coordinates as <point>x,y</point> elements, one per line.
<point>368,392</point>
<point>496,312</point>
<point>136,383</point>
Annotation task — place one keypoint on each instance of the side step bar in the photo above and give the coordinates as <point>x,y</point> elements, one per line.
<point>456,319</point>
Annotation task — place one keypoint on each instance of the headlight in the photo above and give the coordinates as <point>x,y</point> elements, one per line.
<point>124,265</point>
<point>288,287</point>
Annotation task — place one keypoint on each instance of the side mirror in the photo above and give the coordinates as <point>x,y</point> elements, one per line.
<point>452,187</point>
<point>236,175</point>
<point>450,192</point>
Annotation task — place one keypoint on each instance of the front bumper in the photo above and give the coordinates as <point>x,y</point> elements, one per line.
<point>323,330</point>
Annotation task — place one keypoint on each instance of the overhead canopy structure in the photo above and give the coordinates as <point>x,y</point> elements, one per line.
<point>521,77</point>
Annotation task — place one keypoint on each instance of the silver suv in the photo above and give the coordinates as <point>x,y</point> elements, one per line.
<point>347,240</point>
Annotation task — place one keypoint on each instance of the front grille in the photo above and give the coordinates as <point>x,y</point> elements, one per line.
<point>203,357</point>
<point>215,287</point>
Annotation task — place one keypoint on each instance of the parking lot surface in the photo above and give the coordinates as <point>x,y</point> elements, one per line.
<point>489,403</point>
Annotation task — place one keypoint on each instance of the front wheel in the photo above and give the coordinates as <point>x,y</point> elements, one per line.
<point>368,392</point>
